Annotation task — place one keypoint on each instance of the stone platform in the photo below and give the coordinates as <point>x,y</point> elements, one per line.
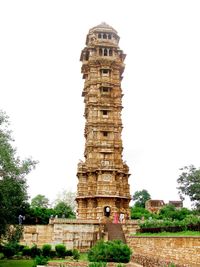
<point>75,234</point>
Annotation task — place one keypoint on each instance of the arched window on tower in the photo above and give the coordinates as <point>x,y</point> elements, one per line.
<point>87,54</point>
<point>100,51</point>
<point>85,76</point>
<point>105,72</point>
<point>105,113</point>
<point>105,134</point>
<point>105,89</point>
<point>99,35</point>
<point>104,36</point>
<point>110,52</point>
<point>105,52</point>
<point>107,211</point>
<point>109,36</point>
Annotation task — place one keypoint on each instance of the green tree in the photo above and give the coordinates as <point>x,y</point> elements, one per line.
<point>189,184</point>
<point>170,212</point>
<point>62,209</point>
<point>13,170</point>
<point>38,215</point>
<point>67,197</point>
<point>40,201</point>
<point>139,213</point>
<point>140,198</point>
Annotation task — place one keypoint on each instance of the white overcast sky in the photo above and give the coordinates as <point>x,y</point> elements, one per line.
<point>41,86</point>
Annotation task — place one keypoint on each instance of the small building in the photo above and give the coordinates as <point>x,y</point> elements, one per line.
<point>178,204</point>
<point>153,205</point>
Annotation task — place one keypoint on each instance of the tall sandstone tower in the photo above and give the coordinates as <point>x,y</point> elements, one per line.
<point>103,189</point>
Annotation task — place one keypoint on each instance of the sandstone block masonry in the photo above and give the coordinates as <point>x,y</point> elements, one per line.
<point>154,251</point>
<point>73,233</point>
<point>147,251</point>
<point>79,234</point>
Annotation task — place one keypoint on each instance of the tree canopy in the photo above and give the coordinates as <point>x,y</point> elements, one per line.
<point>13,170</point>
<point>62,209</point>
<point>140,198</point>
<point>40,201</point>
<point>39,211</point>
<point>189,184</point>
<point>68,198</point>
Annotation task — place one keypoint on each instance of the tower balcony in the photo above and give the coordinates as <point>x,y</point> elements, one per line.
<point>107,42</point>
<point>96,58</point>
<point>104,122</point>
<point>99,80</point>
<point>104,145</point>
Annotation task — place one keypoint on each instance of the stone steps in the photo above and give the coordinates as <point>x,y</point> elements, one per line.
<point>115,232</point>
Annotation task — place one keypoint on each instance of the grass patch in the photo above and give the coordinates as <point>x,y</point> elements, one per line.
<point>183,233</point>
<point>83,257</point>
<point>29,263</point>
<point>16,263</point>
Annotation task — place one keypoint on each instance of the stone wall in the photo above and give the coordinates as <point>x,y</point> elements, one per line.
<point>157,251</point>
<point>130,227</point>
<point>147,251</point>
<point>37,234</point>
<point>79,234</point>
<point>73,233</point>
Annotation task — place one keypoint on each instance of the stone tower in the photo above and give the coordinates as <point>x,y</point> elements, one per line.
<point>103,190</point>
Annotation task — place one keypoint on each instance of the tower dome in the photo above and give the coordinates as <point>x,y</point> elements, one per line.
<point>102,32</point>
<point>103,27</point>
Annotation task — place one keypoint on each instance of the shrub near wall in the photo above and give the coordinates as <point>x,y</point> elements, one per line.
<point>155,226</point>
<point>46,250</point>
<point>110,251</point>
<point>60,250</point>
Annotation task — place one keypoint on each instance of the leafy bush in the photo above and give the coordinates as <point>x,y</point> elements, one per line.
<point>190,222</point>
<point>69,252</point>
<point>1,255</point>
<point>26,251</point>
<point>170,212</point>
<point>40,260</point>
<point>46,250</point>
<point>21,247</point>
<point>139,213</point>
<point>75,254</point>
<point>53,254</point>
<point>60,250</point>
<point>10,249</point>
<point>35,251</point>
<point>110,251</point>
